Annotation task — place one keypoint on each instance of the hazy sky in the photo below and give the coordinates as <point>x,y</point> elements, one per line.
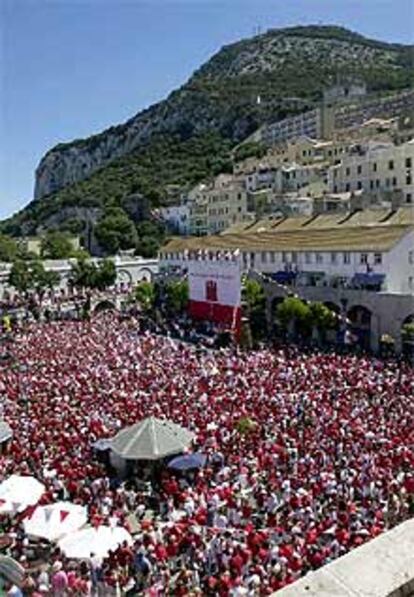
<point>69,68</point>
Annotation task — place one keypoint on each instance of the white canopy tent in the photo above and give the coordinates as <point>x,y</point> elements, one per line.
<point>55,521</point>
<point>19,492</point>
<point>90,541</point>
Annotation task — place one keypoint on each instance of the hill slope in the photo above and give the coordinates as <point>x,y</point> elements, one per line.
<point>189,135</point>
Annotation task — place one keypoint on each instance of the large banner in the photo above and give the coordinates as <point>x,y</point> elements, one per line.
<point>215,289</point>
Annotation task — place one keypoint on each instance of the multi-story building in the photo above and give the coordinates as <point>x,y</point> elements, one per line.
<point>327,248</point>
<point>306,124</point>
<point>177,218</point>
<point>339,111</point>
<point>216,206</point>
<point>378,169</point>
<point>360,264</point>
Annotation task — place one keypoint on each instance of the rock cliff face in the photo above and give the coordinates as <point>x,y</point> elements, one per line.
<point>222,95</point>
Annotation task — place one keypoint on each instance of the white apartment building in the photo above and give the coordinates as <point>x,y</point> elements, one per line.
<point>216,206</point>
<point>306,124</point>
<point>378,169</point>
<point>378,258</point>
<point>177,218</point>
<point>296,176</point>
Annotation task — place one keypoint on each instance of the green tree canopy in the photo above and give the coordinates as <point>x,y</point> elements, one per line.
<point>86,274</point>
<point>145,295</point>
<point>321,316</point>
<point>177,295</point>
<point>8,248</point>
<point>31,275</point>
<point>56,245</point>
<point>116,231</point>
<point>255,305</point>
<point>20,277</point>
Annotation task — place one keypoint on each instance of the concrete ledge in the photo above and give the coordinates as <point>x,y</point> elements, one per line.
<point>383,567</point>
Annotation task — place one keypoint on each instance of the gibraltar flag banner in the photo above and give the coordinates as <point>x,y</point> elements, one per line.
<point>215,289</point>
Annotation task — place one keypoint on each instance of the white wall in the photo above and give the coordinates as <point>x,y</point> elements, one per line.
<point>395,264</point>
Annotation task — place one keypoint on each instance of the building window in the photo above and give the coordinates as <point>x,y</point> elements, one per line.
<point>347,187</point>
<point>374,167</point>
<point>333,257</point>
<point>391,165</point>
<point>377,258</point>
<point>359,170</point>
<point>411,257</point>
<point>394,181</point>
<point>359,185</point>
<point>363,258</point>
<point>284,257</point>
<point>411,283</point>
<point>294,257</point>
<point>408,179</point>
<point>409,198</point>
<point>308,257</point>
<point>347,258</point>
<point>408,162</point>
<point>264,257</point>
<point>387,182</point>
<point>371,184</point>
<point>319,258</point>
<point>272,257</point>
<point>348,172</point>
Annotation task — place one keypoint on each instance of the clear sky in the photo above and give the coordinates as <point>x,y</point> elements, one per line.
<point>70,68</point>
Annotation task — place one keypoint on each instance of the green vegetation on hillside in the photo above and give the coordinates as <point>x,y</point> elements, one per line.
<point>190,136</point>
<point>150,172</point>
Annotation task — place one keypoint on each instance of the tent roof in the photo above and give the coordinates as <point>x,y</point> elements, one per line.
<point>151,439</point>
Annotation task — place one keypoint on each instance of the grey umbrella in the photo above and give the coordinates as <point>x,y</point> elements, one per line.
<point>5,432</point>
<point>11,570</point>
<point>151,439</point>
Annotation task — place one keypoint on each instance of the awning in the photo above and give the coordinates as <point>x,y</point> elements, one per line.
<point>283,277</point>
<point>368,279</point>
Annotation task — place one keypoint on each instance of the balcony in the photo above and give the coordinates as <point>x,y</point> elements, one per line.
<point>370,281</point>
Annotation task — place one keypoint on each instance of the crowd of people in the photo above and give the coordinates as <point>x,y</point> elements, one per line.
<point>324,465</point>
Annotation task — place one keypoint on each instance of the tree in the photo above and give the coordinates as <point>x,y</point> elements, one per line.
<point>20,276</point>
<point>41,279</point>
<point>177,295</point>
<point>147,247</point>
<point>105,275</point>
<point>85,274</point>
<point>321,319</point>
<point>8,248</point>
<point>294,316</point>
<point>56,245</point>
<point>145,295</point>
<point>31,275</point>
<point>255,303</point>
<point>82,273</point>
<point>407,332</point>
<point>116,231</point>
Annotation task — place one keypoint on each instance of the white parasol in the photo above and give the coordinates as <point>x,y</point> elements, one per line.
<point>55,521</point>
<point>90,541</point>
<point>17,493</point>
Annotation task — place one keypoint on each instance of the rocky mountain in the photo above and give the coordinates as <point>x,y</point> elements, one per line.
<point>189,135</point>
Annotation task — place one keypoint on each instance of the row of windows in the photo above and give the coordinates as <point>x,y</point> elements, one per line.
<point>376,184</point>
<point>391,165</point>
<point>225,197</point>
<point>319,258</point>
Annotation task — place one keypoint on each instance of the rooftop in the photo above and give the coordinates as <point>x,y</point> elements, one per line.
<point>358,238</point>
